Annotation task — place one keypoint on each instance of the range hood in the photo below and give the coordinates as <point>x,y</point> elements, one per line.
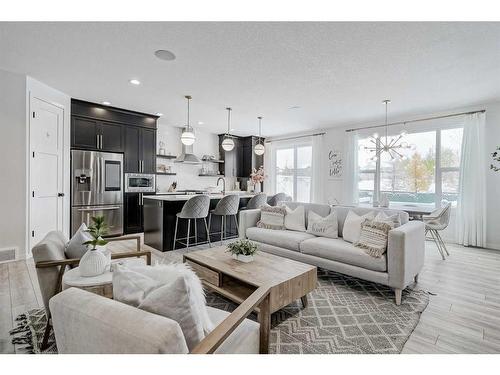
<point>187,156</point>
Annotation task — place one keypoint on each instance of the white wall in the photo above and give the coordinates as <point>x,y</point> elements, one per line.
<point>13,162</point>
<point>187,174</point>
<point>336,138</point>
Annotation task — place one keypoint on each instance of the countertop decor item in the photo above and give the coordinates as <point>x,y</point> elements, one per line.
<point>94,261</point>
<point>258,176</point>
<point>162,151</point>
<point>173,187</point>
<point>242,250</point>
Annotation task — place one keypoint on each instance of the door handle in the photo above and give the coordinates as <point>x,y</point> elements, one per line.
<point>142,166</point>
<point>106,208</point>
<point>139,162</point>
<point>60,194</point>
<point>141,199</point>
<point>97,140</point>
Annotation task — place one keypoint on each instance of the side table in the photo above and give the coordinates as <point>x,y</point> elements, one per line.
<point>101,284</point>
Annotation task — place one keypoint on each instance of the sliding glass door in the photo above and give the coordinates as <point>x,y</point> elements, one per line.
<point>294,172</point>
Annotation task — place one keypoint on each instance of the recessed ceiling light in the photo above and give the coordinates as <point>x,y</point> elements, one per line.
<point>294,107</point>
<point>135,82</point>
<point>159,114</point>
<point>163,54</point>
<point>200,122</point>
<point>106,103</point>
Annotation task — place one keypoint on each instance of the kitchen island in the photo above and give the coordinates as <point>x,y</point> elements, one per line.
<point>159,220</point>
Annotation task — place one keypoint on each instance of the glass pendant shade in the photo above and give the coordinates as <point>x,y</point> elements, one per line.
<point>259,149</point>
<point>188,137</point>
<point>227,143</point>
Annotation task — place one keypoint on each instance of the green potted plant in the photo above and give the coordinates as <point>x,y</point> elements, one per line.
<point>94,262</point>
<point>242,250</point>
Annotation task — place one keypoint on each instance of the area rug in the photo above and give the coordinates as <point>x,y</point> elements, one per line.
<point>345,315</point>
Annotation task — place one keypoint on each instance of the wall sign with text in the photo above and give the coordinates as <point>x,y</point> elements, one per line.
<point>335,164</point>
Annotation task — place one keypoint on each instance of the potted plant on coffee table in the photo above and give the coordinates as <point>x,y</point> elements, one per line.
<point>94,262</point>
<point>242,250</point>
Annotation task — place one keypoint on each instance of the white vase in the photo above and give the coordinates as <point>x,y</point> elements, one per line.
<point>256,187</point>
<point>243,258</point>
<point>93,263</point>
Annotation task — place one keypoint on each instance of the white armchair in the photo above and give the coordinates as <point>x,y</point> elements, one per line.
<point>437,221</point>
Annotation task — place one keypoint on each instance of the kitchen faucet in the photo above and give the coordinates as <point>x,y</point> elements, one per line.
<point>223,185</point>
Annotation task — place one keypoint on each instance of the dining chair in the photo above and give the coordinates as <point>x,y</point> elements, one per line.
<point>437,221</point>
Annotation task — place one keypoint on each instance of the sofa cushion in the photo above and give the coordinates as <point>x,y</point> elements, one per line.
<point>320,209</point>
<point>323,226</point>
<point>342,212</point>
<point>352,225</point>
<point>282,238</point>
<point>272,217</point>
<point>295,219</point>
<point>243,340</point>
<point>75,248</point>
<point>342,251</point>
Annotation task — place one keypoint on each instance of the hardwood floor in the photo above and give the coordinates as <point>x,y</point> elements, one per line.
<point>463,315</point>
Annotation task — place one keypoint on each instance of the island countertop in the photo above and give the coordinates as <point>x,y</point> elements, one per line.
<point>185,197</point>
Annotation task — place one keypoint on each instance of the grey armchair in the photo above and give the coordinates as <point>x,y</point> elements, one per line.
<point>437,221</point>
<point>51,263</point>
<point>278,198</point>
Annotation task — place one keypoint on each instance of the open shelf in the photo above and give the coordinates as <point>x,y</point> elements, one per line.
<point>166,173</point>
<point>166,156</point>
<point>211,175</point>
<point>212,161</point>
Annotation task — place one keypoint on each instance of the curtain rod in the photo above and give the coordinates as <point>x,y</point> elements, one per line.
<point>417,120</point>
<point>297,137</point>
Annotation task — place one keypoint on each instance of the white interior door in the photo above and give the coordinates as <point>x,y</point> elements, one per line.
<point>46,169</point>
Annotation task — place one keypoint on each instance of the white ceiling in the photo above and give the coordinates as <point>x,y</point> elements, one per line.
<point>338,73</point>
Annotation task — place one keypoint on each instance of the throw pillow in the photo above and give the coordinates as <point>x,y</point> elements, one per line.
<point>176,301</point>
<point>134,284</point>
<point>75,248</point>
<point>272,217</point>
<point>323,226</point>
<point>392,219</point>
<point>373,237</point>
<point>295,219</point>
<point>352,225</point>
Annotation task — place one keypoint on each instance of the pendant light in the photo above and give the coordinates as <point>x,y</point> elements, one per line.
<point>227,142</point>
<point>259,148</point>
<point>188,137</point>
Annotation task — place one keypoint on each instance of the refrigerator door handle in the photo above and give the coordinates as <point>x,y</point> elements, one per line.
<point>98,208</point>
<point>97,140</point>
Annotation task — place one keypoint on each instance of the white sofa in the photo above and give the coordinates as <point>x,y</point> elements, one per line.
<point>397,268</point>
<point>86,323</point>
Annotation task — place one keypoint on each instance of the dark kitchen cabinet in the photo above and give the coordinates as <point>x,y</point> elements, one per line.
<point>233,160</point>
<point>134,212</point>
<point>96,135</point>
<point>84,133</point>
<point>241,160</point>
<point>148,150</point>
<point>132,149</point>
<point>111,137</point>
<point>140,150</point>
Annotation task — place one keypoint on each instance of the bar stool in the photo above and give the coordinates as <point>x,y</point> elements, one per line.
<point>227,206</point>
<point>195,208</point>
<point>278,198</point>
<point>257,201</point>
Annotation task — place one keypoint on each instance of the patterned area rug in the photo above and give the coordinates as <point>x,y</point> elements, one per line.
<point>345,315</point>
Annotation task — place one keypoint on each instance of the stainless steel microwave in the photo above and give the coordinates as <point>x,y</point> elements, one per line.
<point>140,183</point>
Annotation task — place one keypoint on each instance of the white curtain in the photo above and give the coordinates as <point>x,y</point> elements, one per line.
<point>317,185</point>
<point>269,169</point>
<point>350,195</point>
<point>471,206</point>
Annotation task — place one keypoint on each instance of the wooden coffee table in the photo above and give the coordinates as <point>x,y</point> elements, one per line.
<point>235,280</point>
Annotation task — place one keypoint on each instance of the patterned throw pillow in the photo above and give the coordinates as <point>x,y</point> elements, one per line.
<point>272,217</point>
<point>323,226</point>
<point>373,237</point>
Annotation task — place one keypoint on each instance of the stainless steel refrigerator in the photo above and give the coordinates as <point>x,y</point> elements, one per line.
<point>97,189</point>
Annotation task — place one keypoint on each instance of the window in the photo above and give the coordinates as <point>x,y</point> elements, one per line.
<point>427,174</point>
<point>293,172</point>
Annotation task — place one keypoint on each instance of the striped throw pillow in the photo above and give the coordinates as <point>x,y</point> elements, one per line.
<point>374,236</point>
<point>272,217</point>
